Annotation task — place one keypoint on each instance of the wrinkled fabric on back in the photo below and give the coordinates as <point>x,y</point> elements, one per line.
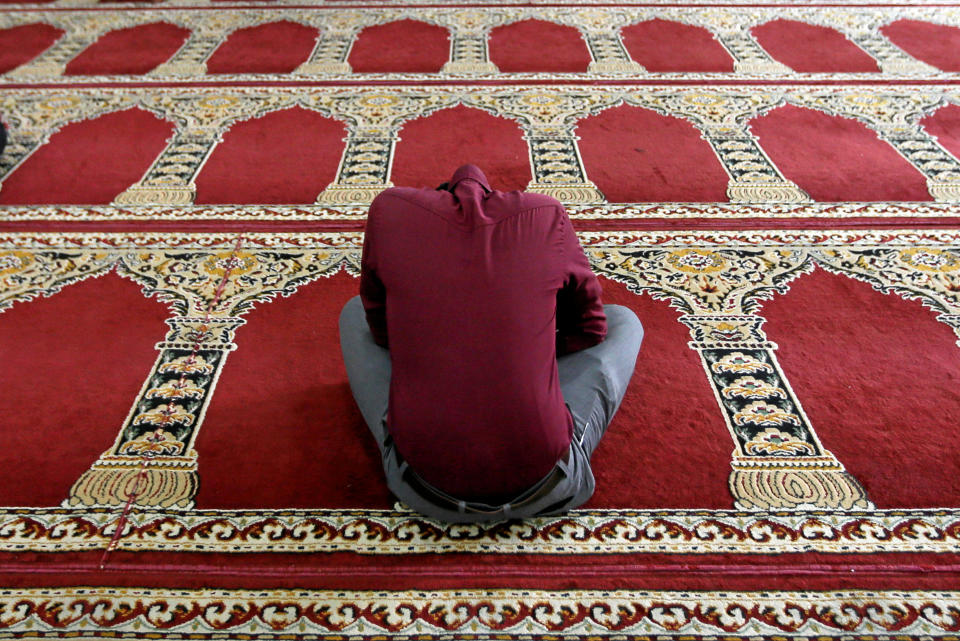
<point>468,288</point>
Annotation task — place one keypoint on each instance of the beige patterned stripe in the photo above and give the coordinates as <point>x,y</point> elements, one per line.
<point>385,532</point>
<point>527,613</point>
<point>308,212</point>
<point>645,78</point>
<point>797,238</point>
<point>345,4</point>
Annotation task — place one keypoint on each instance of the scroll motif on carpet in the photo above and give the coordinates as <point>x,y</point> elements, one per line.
<point>534,614</point>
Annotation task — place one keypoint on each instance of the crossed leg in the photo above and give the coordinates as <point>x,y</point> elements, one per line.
<point>593,382</point>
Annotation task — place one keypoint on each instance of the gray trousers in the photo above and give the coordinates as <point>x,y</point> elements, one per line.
<point>593,382</point>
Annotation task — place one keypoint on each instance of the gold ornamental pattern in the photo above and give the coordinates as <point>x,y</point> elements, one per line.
<point>208,292</point>
<point>547,115</point>
<point>716,279</point>
<point>468,29</point>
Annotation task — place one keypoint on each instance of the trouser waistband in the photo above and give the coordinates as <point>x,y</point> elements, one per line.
<point>537,491</point>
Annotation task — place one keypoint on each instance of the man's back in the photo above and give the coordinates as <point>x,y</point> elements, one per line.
<point>464,287</point>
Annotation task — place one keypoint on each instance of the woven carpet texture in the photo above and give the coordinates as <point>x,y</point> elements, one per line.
<point>774,189</point>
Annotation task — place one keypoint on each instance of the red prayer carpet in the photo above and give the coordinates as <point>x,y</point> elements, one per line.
<point>774,189</point>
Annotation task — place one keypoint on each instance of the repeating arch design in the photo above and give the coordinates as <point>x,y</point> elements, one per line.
<point>255,50</point>
<point>635,155</point>
<point>668,46</point>
<point>935,44</point>
<point>538,45</point>
<point>22,43</point>
<point>806,145</point>
<point>90,161</point>
<point>733,442</point>
<point>129,51</point>
<point>283,156</point>
<point>812,48</point>
<point>863,28</point>
<point>401,46</point>
<point>423,158</point>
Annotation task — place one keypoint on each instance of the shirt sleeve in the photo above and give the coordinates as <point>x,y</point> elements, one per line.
<point>373,294</point>
<point>581,322</point>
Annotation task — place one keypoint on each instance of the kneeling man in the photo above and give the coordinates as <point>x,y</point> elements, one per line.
<point>479,352</point>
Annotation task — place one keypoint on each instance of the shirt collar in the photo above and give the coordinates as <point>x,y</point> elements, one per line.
<point>469,172</point>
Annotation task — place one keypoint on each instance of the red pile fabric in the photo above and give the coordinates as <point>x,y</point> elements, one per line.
<point>182,455</point>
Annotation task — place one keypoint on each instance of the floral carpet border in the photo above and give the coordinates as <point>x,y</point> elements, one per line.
<point>402,532</point>
<point>743,212</point>
<point>469,614</point>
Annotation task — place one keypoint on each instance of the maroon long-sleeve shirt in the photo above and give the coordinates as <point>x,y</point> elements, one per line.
<point>475,292</point>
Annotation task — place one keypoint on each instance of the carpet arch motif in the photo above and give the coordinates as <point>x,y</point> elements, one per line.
<point>176,410</point>
<point>717,289</point>
<point>548,118</point>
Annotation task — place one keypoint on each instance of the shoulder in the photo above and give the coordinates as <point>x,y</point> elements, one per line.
<point>531,200</point>
<point>404,200</point>
<point>522,201</point>
<point>411,195</point>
